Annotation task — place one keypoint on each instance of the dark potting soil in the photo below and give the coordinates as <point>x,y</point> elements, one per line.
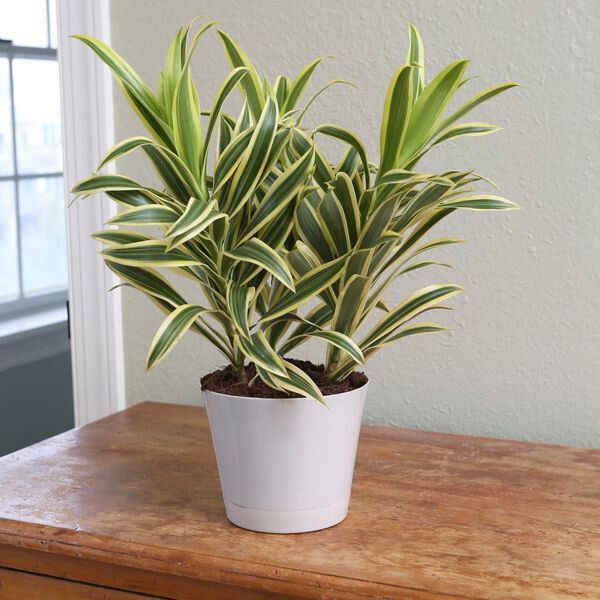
<point>225,381</point>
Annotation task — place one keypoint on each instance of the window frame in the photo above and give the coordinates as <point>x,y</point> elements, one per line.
<point>24,305</point>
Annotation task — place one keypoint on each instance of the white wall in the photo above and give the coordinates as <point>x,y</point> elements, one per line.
<point>524,358</point>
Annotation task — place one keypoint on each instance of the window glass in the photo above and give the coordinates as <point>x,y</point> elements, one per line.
<point>38,131</point>
<point>6,154</point>
<point>42,224</point>
<point>24,22</point>
<point>9,266</point>
<point>52,23</point>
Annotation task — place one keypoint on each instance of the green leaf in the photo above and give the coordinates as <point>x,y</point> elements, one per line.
<point>250,169</point>
<point>230,158</point>
<point>238,301</point>
<point>276,233</point>
<point>197,217</point>
<point>148,254</point>
<point>282,89</point>
<point>429,107</point>
<point>186,122</point>
<point>478,99</point>
<point>396,116</point>
<point>255,251</point>
<point>348,137</point>
<point>317,318</point>
<point>333,219</point>
<point>149,214</point>
<point>103,183</point>
<point>298,382</point>
<point>424,263</point>
<point>171,71</point>
<point>139,95</point>
<point>119,237</point>
<point>177,56</point>
<point>431,196</point>
<point>480,202</point>
<point>215,113</point>
<point>122,148</point>
<point>308,286</point>
<point>311,228</point>
<point>200,226</point>
<point>281,192</point>
<point>435,244</point>
<point>378,223</point>
<point>251,85</point>
<point>324,88</point>
<point>171,331</point>
<point>416,57</point>
<point>344,191</point>
<point>342,342</point>
<point>148,281</point>
<point>300,83</point>
<point>416,329</point>
<point>301,144</point>
<point>413,305</point>
<point>175,174</point>
<point>257,349</point>
<point>134,197</point>
<point>359,263</point>
<point>349,309</point>
<point>465,129</point>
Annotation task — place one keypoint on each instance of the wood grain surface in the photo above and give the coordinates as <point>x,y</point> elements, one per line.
<point>133,502</point>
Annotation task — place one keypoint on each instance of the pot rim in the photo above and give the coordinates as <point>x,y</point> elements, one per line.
<point>358,389</point>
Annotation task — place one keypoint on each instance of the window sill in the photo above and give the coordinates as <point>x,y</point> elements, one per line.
<point>28,338</point>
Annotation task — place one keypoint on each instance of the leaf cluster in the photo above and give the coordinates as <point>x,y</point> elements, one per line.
<point>275,227</point>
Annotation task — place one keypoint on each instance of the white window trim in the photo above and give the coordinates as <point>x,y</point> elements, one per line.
<point>88,131</point>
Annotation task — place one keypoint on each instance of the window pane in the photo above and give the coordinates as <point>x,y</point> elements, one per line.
<point>37,122</point>
<point>24,22</point>
<point>6,158</point>
<point>9,266</point>
<point>53,27</point>
<point>42,222</point>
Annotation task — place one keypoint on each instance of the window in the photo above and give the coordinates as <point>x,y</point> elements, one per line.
<point>33,260</point>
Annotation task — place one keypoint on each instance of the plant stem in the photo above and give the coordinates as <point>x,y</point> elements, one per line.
<point>241,373</point>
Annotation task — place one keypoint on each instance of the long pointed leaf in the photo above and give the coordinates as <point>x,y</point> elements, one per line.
<point>255,251</point>
<point>171,331</point>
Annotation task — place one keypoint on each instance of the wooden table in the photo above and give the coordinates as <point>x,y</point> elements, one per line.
<point>130,506</point>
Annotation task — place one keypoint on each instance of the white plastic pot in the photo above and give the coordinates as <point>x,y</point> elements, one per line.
<point>285,465</point>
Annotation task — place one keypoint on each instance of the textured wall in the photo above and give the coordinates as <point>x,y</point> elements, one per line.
<point>523,360</point>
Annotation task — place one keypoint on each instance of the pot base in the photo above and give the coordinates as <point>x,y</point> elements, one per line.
<point>292,521</point>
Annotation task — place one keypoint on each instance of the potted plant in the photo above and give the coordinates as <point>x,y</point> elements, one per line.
<point>285,246</point>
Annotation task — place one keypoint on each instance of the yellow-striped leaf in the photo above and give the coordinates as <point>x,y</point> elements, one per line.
<point>396,116</point>
<point>429,107</point>
<point>251,85</point>
<point>480,202</point>
<point>171,331</point>
<point>257,349</point>
<point>255,251</point>
<point>465,129</point>
<point>149,253</point>
<point>238,301</point>
<point>308,286</point>
<point>348,137</point>
<point>149,214</point>
<point>300,83</point>
<point>416,58</point>
<point>281,192</point>
<point>413,305</point>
